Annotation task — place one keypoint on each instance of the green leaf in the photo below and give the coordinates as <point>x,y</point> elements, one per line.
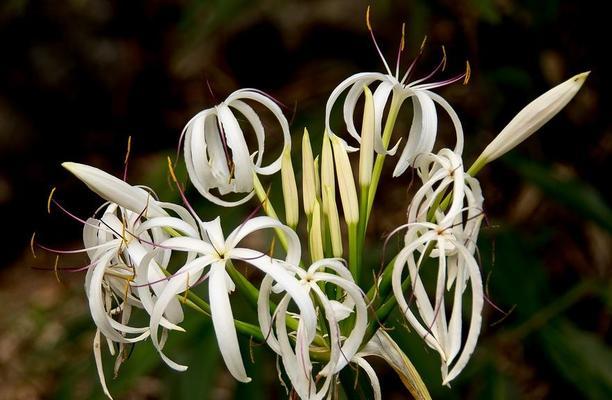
<point>581,357</point>
<point>578,196</point>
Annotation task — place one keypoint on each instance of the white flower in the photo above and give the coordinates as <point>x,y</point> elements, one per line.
<point>450,240</point>
<point>532,117</point>
<point>214,251</point>
<point>116,243</point>
<point>342,349</point>
<point>216,151</point>
<point>424,127</point>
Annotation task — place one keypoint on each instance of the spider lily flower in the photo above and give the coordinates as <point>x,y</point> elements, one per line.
<point>532,117</point>
<point>113,189</point>
<point>115,243</point>
<point>297,363</point>
<point>216,152</point>
<point>445,236</point>
<point>432,325</point>
<point>395,88</point>
<point>214,251</point>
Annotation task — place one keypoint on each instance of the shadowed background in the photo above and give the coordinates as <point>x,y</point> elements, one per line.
<point>80,76</point>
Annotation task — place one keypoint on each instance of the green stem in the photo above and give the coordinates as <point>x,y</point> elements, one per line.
<point>380,158</point>
<point>354,266</point>
<point>262,195</point>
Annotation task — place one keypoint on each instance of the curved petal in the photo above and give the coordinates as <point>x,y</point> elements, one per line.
<point>258,96</point>
<point>223,322</point>
<point>333,97</point>
<point>259,223</point>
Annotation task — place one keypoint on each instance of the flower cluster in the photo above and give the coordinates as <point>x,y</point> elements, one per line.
<point>317,310</point>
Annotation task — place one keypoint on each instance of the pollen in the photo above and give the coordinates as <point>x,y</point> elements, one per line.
<point>368,19</point>
<point>403,41</point>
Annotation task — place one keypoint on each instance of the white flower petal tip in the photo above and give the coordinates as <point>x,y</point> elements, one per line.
<point>216,152</point>
<point>115,190</point>
<point>533,117</point>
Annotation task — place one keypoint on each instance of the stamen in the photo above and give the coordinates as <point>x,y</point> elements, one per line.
<point>441,65</point>
<point>414,62</point>
<point>50,199</point>
<point>55,270</point>
<point>468,72</point>
<point>127,158</point>
<point>32,244</point>
<point>369,25</point>
<point>400,50</point>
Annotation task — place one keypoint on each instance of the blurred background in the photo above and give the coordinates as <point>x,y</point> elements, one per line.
<point>78,77</point>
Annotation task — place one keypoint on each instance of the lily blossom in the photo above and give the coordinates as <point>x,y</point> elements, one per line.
<point>342,349</point>
<point>443,235</point>
<point>216,151</point>
<point>214,252</point>
<point>115,243</point>
<point>395,88</point>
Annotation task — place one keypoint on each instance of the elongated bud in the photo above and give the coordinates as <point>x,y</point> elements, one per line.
<point>532,117</point>
<point>317,178</point>
<point>115,190</point>
<point>333,222</point>
<point>315,239</point>
<point>290,193</point>
<point>366,150</point>
<point>309,190</point>
<point>346,182</point>
<point>327,168</point>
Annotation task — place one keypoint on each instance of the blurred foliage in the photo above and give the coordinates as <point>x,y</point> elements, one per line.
<point>78,78</point>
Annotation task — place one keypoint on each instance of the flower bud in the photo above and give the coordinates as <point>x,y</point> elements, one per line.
<point>532,117</point>
<point>309,189</point>
<point>115,190</point>
<point>333,222</point>
<point>315,239</point>
<point>346,182</point>
<point>290,194</point>
<point>366,150</point>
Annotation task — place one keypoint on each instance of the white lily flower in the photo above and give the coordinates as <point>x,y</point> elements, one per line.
<point>216,152</point>
<point>441,335</point>
<point>342,349</point>
<point>451,240</point>
<point>115,243</point>
<point>396,88</point>
<point>214,251</point>
<point>532,117</point>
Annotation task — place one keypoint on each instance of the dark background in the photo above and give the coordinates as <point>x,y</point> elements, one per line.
<point>78,77</point>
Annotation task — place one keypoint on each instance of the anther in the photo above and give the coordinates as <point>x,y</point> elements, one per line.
<point>50,199</point>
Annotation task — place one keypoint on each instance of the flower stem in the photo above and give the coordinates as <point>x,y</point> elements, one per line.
<point>354,250</point>
<point>268,208</point>
<point>380,158</point>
